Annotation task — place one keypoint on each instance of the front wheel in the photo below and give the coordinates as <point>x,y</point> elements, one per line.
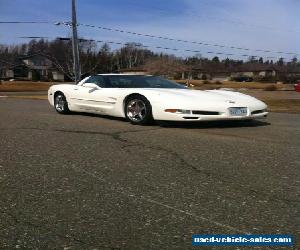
<point>61,104</point>
<point>138,110</point>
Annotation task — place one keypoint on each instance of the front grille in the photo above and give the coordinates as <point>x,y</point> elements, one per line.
<point>257,111</point>
<point>199,112</point>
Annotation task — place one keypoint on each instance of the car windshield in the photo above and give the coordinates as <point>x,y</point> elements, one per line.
<point>138,81</point>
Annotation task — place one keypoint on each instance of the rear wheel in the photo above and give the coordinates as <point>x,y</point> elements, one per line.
<point>61,104</point>
<point>138,110</point>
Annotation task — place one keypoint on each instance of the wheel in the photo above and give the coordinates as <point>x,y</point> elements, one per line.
<point>138,110</point>
<point>61,104</point>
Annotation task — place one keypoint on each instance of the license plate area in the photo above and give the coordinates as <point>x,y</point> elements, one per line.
<point>238,111</point>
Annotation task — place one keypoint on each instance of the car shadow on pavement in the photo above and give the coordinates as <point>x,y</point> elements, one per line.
<point>190,125</point>
<point>113,118</point>
<point>214,124</point>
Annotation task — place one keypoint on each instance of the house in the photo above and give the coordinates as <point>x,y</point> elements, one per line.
<point>264,72</point>
<point>40,67</point>
<point>259,72</point>
<point>32,67</point>
<point>11,71</point>
<point>255,70</point>
<point>209,73</point>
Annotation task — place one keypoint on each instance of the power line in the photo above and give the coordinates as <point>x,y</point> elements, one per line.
<point>138,44</point>
<point>186,41</point>
<point>233,21</point>
<point>34,37</point>
<point>158,37</point>
<point>176,49</point>
<point>26,22</point>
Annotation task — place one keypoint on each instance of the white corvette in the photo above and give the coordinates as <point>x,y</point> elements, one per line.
<point>141,98</point>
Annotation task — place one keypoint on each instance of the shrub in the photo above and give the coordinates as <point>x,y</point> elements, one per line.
<point>36,76</point>
<point>204,77</point>
<point>49,76</point>
<point>218,82</point>
<point>205,82</point>
<point>270,88</point>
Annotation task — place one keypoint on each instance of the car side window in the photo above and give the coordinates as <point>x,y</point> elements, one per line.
<point>119,82</point>
<point>97,80</point>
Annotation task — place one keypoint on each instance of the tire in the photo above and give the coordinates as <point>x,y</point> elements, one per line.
<point>138,110</point>
<point>61,104</point>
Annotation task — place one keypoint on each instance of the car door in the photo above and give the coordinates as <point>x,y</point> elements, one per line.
<point>92,96</point>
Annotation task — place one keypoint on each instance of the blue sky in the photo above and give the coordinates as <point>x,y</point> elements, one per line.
<point>255,24</point>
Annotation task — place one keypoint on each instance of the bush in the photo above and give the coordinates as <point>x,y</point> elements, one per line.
<point>266,79</point>
<point>242,79</point>
<point>49,76</point>
<point>218,82</point>
<point>204,77</point>
<point>270,88</point>
<point>206,82</point>
<point>36,76</point>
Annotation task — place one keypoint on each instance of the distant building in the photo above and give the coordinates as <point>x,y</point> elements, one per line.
<point>41,67</point>
<point>33,67</point>
<point>253,71</point>
<point>206,73</point>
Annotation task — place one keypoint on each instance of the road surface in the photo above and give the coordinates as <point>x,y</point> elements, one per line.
<point>90,182</point>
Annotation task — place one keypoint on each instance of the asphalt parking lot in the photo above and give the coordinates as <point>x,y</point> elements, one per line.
<point>90,182</point>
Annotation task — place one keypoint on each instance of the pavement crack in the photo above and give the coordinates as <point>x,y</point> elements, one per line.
<point>210,175</point>
<point>118,137</point>
<point>114,135</point>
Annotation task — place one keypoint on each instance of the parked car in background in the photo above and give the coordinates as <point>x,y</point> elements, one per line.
<point>297,86</point>
<point>242,79</point>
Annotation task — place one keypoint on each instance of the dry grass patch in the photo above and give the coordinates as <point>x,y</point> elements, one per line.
<point>283,105</point>
<point>24,86</point>
<point>31,97</point>
<point>205,84</point>
<point>271,87</point>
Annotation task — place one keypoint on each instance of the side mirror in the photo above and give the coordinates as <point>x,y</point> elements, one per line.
<point>91,86</point>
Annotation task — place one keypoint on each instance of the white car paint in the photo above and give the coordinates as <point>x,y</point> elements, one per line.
<point>110,101</point>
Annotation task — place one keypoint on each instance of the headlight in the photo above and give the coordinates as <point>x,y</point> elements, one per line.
<point>178,111</point>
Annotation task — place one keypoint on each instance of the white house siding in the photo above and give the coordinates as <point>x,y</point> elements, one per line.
<point>57,76</point>
<point>9,73</point>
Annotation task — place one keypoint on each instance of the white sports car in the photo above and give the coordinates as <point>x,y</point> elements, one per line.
<point>142,98</point>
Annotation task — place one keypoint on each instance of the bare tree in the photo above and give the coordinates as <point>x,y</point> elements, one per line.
<point>166,66</point>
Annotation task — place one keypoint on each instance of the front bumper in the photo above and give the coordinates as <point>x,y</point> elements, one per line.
<point>225,115</point>
<point>51,97</point>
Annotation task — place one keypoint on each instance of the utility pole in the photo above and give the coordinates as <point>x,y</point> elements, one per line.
<point>76,66</point>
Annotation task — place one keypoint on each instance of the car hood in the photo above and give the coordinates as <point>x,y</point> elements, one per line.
<point>209,98</point>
